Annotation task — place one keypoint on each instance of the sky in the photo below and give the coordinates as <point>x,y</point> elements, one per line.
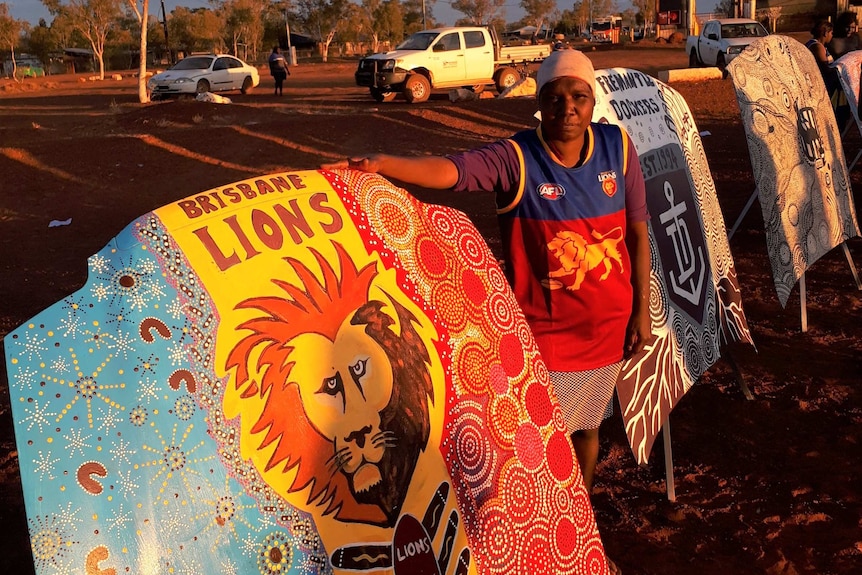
<point>32,10</point>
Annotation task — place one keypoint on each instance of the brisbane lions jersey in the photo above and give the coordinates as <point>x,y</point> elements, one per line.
<point>564,238</point>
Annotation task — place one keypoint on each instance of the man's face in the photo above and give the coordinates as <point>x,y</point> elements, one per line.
<point>566,105</point>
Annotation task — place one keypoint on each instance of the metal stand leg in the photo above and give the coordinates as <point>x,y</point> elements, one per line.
<point>803,309</point>
<point>853,163</point>
<point>742,215</point>
<point>668,460</point>
<point>738,374</point>
<point>852,265</point>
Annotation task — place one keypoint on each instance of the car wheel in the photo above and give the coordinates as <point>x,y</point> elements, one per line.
<point>693,61</point>
<point>505,77</point>
<point>417,88</point>
<point>247,85</point>
<point>382,95</point>
<point>202,87</point>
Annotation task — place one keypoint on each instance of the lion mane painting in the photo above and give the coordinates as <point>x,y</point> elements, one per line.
<point>346,398</point>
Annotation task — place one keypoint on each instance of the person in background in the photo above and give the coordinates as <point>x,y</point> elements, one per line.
<point>565,186</point>
<point>845,37</point>
<point>821,36</point>
<point>559,42</point>
<point>278,69</point>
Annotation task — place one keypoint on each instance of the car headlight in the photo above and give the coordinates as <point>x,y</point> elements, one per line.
<point>151,84</point>
<point>735,49</point>
<point>388,66</point>
<point>182,80</point>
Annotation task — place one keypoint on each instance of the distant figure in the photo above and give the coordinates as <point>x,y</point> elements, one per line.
<point>821,36</point>
<point>845,37</point>
<point>559,42</point>
<point>278,69</point>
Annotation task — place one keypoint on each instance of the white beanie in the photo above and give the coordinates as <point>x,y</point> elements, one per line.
<point>566,63</point>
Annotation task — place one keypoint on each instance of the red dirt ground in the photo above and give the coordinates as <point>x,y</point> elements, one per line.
<point>766,486</point>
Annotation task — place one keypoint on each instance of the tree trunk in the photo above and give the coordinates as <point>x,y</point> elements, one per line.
<point>143,96</point>
<point>101,56</point>
<point>14,65</point>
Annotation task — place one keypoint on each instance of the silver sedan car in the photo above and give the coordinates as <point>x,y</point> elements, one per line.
<point>204,73</point>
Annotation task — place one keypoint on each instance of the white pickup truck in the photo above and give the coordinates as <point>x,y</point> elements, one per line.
<point>455,57</point>
<point>721,40</point>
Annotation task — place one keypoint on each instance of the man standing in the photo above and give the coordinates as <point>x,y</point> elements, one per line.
<point>566,191</point>
<point>278,69</point>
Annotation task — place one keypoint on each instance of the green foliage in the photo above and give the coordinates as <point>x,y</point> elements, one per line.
<point>725,7</point>
<point>538,11</point>
<point>413,17</point>
<point>646,10</point>
<point>390,21</point>
<point>10,30</point>
<point>198,30</point>
<point>478,12</point>
<point>42,41</point>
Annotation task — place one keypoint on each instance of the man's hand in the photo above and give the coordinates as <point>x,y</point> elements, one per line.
<point>369,164</point>
<point>638,334</point>
<point>435,172</point>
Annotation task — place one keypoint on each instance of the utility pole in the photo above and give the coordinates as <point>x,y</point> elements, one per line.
<point>424,23</point>
<point>165,25</point>
<point>290,53</point>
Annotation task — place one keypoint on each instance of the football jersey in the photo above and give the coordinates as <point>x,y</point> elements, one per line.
<point>564,238</point>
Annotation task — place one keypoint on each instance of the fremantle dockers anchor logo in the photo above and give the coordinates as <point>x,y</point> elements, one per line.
<point>687,280</point>
<point>812,145</point>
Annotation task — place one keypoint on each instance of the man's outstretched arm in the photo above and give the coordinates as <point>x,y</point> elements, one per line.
<point>435,172</point>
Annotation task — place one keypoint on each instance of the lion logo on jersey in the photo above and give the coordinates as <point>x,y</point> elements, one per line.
<point>346,398</point>
<point>577,257</point>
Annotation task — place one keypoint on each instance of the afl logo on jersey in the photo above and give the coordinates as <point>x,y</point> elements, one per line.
<point>609,183</point>
<point>551,191</point>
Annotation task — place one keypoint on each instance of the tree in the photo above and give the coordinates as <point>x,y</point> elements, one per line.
<point>537,11</point>
<point>323,17</point>
<point>41,41</point>
<point>390,19</point>
<point>383,20</point>
<point>589,10</point>
<point>93,18</point>
<point>726,7</point>
<point>10,34</point>
<point>142,16</point>
<point>647,10</point>
<point>367,20</point>
<point>568,23</point>
<point>479,11</point>
<point>196,30</point>
<point>244,19</point>
<point>418,15</point>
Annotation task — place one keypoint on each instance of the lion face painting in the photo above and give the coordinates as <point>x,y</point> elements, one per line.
<point>345,386</point>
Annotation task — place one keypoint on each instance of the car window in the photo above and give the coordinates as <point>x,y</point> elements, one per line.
<point>711,30</point>
<point>728,31</point>
<point>474,39</point>
<point>449,42</point>
<point>756,30</point>
<point>193,63</point>
<point>222,64</point>
<point>418,41</point>
<point>233,63</point>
